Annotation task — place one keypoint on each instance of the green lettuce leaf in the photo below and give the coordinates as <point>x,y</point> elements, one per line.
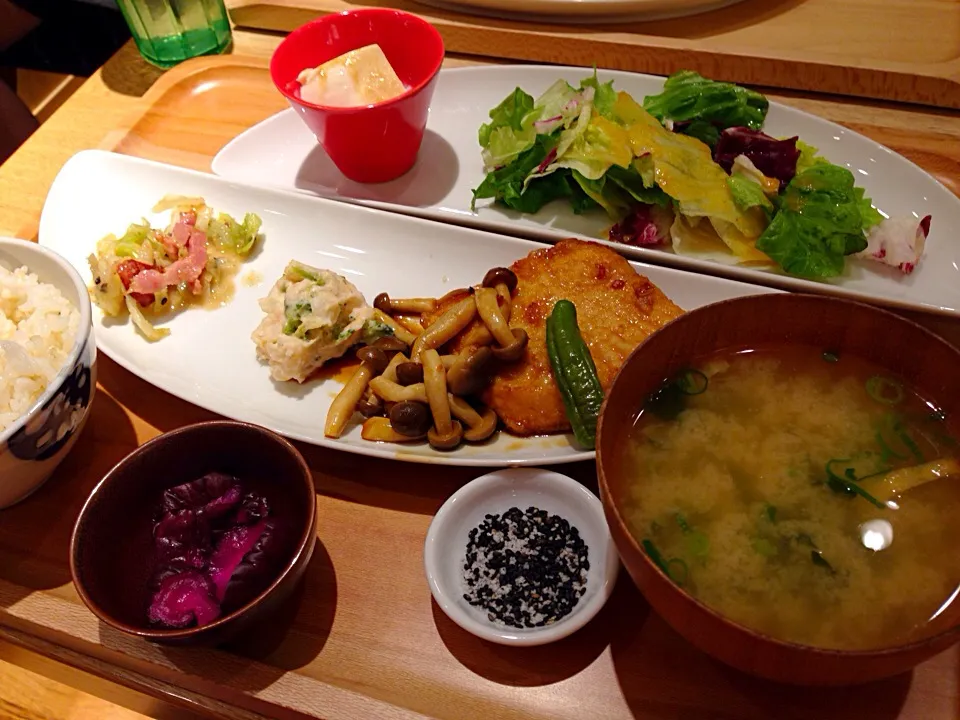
<point>555,102</point>
<point>632,181</point>
<point>509,114</point>
<point>510,130</point>
<point>592,147</point>
<point>819,222</point>
<point>506,184</point>
<point>607,195</point>
<point>809,157</point>
<point>687,96</point>
<point>747,194</point>
<point>869,215</point>
<point>705,132</point>
<point>604,96</point>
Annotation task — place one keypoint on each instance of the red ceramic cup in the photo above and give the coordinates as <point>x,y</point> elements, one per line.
<point>372,143</point>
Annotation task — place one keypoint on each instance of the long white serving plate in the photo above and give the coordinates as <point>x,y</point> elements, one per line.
<point>281,152</point>
<point>209,359</point>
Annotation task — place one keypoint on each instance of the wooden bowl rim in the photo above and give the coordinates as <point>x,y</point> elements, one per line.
<point>307,537</point>
<point>612,507</point>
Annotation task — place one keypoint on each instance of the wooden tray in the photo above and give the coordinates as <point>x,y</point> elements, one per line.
<point>904,50</point>
<point>363,639</point>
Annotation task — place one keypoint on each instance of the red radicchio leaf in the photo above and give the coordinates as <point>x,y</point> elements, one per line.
<point>645,225</point>
<point>184,599</point>
<point>774,158</point>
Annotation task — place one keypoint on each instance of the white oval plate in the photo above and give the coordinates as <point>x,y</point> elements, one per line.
<point>281,152</point>
<point>208,358</point>
<point>583,12</point>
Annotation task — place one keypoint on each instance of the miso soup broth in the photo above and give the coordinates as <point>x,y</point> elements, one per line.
<point>810,497</point>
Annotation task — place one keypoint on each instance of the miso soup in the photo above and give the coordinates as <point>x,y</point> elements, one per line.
<point>808,496</point>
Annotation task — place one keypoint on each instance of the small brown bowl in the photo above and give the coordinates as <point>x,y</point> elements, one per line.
<point>923,359</point>
<point>112,539</point>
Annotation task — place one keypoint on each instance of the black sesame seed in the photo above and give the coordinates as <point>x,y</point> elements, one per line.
<point>525,568</point>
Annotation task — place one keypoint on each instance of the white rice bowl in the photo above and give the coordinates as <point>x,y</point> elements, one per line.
<point>38,330</point>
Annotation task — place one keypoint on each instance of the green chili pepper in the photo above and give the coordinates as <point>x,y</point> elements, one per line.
<point>574,372</point>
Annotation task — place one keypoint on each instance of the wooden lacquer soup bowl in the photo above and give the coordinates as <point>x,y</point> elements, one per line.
<point>921,358</point>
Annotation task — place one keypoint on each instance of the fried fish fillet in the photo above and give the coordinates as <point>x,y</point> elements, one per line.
<point>617,309</point>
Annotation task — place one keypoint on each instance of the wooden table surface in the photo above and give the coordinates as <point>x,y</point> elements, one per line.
<point>32,686</point>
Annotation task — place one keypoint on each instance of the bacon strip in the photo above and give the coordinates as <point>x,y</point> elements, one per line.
<point>185,270</point>
<point>127,271</point>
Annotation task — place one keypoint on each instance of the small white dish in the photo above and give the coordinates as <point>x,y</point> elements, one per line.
<point>445,548</point>
<point>281,152</point>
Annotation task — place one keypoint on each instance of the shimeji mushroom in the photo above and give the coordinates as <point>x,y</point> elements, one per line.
<point>470,370</point>
<point>379,429</point>
<point>513,351</point>
<point>407,305</point>
<point>391,343</point>
<point>511,342</point>
<point>504,281</point>
<point>446,327</point>
<point>390,373</point>
<point>446,432</point>
<point>480,426</point>
<point>389,391</point>
<point>369,405</point>
<point>399,331</point>
<point>411,419</point>
<point>409,373</point>
<point>372,362</point>
<point>411,323</point>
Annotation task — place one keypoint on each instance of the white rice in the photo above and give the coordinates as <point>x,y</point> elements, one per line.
<point>38,327</point>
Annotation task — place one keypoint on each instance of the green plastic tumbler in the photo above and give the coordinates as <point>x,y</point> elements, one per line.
<point>168,32</point>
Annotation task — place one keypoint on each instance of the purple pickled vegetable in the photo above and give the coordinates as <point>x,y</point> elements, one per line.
<point>257,568</point>
<point>214,550</point>
<point>215,494</point>
<point>644,225</point>
<point>774,158</point>
<point>234,544</point>
<point>182,541</point>
<point>253,508</point>
<point>184,599</point>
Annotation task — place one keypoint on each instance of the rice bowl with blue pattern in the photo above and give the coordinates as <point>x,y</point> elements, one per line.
<point>47,364</point>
